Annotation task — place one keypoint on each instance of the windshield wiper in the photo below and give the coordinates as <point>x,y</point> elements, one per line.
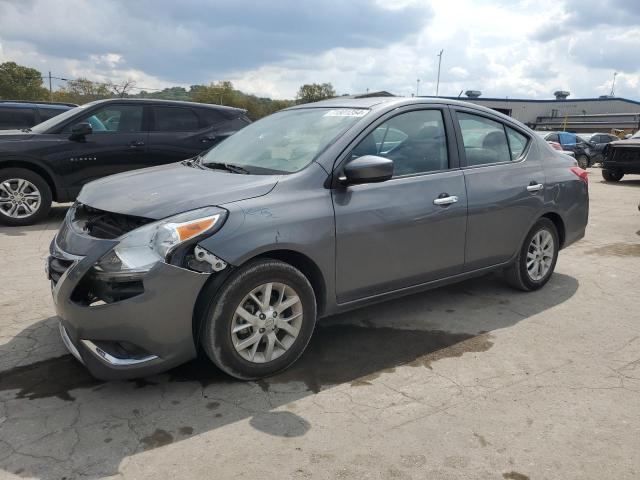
<point>193,162</point>
<point>229,167</point>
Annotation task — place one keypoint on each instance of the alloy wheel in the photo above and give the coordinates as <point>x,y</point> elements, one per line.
<point>267,322</point>
<point>19,198</point>
<point>540,255</point>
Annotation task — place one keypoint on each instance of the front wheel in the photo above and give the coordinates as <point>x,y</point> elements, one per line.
<point>536,259</point>
<point>260,321</point>
<point>583,162</point>
<point>612,175</point>
<point>25,197</point>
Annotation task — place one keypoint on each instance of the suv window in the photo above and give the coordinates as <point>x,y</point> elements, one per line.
<point>415,141</point>
<point>517,142</point>
<point>114,119</point>
<point>11,118</point>
<point>484,140</point>
<point>210,116</point>
<point>174,119</point>
<point>47,113</point>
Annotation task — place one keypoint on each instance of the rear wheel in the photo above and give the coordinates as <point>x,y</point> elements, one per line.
<point>260,321</point>
<point>612,175</point>
<point>537,258</point>
<point>583,162</point>
<point>25,197</point>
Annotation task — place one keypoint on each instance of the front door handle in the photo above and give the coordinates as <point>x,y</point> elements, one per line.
<point>445,200</point>
<point>137,143</point>
<point>534,187</point>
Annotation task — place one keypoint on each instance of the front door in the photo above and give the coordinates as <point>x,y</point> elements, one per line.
<point>118,143</point>
<point>410,229</point>
<point>505,187</point>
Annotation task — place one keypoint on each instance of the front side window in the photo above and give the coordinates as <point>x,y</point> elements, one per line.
<point>415,141</point>
<point>484,140</point>
<point>174,119</point>
<point>115,119</point>
<point>284,142</point>
<point>16,118</point>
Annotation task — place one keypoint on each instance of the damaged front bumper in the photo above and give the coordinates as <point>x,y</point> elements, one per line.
<point>145,330</point>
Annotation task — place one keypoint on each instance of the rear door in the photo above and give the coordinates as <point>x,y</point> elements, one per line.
<point>410,229</point>
<point>505,186</point>
<point>177,133</point>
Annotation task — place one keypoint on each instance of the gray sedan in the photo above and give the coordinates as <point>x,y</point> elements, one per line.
<point>314,210</point>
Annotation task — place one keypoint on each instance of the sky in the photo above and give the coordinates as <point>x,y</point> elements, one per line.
<point>516,49</point>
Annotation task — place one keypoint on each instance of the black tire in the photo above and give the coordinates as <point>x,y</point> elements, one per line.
<point>583,162</point>
<point>612,175</point>
<point>217,339</point>
<point>39,183</point>
<point>517,275</point>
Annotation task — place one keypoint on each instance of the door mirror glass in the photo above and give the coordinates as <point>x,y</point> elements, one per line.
<point>368,169</point>
<point>81,129</point>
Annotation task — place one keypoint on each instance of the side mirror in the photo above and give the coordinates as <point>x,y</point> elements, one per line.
<point>79,130</point>
<point>367,169</point>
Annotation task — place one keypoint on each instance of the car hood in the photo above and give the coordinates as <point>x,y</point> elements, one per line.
<point>160,192</point>
<point>12,135</point>
<point>630,142</point>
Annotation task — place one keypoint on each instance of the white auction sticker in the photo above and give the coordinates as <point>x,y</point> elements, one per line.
<point>346,112</point>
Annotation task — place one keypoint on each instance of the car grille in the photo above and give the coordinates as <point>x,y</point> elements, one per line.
<point>105,225</point>
<point>626,154</point>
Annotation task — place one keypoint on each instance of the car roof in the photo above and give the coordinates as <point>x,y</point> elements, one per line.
<point>52,105</point>
<point>158,101</point>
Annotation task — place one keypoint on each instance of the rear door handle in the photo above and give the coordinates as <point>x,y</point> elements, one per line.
<point>447,200</point>
<point>534,187</point>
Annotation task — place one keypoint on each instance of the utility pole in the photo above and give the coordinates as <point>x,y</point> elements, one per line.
<point>418,88</point>
<point>613,85</point>
<point>439,65</point>
<point>50,90</point>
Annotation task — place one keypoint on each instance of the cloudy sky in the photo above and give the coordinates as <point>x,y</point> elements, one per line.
<point>527,48</point>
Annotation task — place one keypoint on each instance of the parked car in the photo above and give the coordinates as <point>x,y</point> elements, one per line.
<point>15,115</point>
<point>558,147</point>
<point>54,159</point>
<point>311,211</point>
<point>572,142</point>
<point>621,157</point>
<point>598,142</point>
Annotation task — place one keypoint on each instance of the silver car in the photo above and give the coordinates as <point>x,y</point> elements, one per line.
<point>314,210</point>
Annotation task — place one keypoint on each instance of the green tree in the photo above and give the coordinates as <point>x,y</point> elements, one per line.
<point>314,92</point>
<point>82,91</point>
<point>21,83</point>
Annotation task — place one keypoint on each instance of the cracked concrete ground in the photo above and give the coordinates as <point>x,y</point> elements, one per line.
<point>470,381</point>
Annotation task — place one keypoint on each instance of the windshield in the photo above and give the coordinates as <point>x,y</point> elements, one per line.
<point>58,119</point>
<point>284,142</point>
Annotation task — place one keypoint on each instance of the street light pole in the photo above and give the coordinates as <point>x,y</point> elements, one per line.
<point>50,90</point>
<point>439,65</point>
<point>417,87</point>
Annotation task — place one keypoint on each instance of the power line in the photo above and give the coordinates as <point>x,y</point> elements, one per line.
<point>109,84</point>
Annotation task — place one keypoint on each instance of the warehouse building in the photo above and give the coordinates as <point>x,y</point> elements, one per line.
<point>603,114</point>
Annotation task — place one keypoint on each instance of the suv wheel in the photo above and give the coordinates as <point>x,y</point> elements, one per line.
<point>612,175</point>
<point>260,321</point>
<point>583,162</point>
<point>537,258</point>
<point>25,197</point>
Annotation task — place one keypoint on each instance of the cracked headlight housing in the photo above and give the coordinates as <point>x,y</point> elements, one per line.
<point>140,249</point>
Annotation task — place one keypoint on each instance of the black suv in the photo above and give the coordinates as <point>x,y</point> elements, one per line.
<point>16,114</point>
<point>54,159</point>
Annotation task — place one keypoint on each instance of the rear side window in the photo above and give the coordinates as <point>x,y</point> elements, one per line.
<point>484,140</point>
<point>11,118</point>
<point>174,119</point>
<point>210,117</point>
<point>517,143</point>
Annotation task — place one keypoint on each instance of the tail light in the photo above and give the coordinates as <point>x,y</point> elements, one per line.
<point>580,173</point>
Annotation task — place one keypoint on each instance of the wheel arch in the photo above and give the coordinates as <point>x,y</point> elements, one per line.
<point>35,168</point>
<point>559,224</point>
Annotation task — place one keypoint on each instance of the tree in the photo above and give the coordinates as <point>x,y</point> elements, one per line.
<point>220,93</point>
<point>315,92</point>
<point>21,83</point>
<point>122,90</point>
<point>82,91</point>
